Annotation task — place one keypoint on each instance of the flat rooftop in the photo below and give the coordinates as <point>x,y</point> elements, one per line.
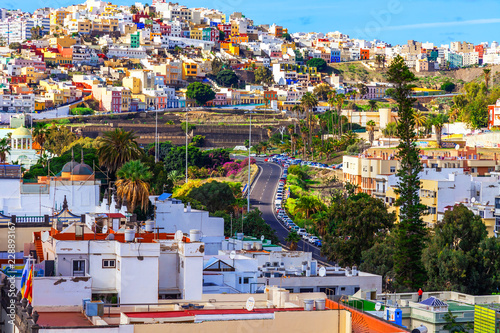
<point>190,313</point>
<point>63,319</point>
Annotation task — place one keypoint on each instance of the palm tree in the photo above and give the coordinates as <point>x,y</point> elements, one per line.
<point>132,184</point>
<point>269,131</point>
<point>349,138</point>
<point>116,148</point>
<point>266,102</point>
<point>297,109</point>
<point>307,205</point>
<point>295,138</point>
<point>309,101</point>
<point>321,91</point>
<point>175,176</point>
<point>331,103</point>
<point>340,102</point>
<point>363,90</point>
<point>4,149</point>
<point>487,73</point>
<point>438,121</point>
<point>390,131</point>
<point>370,127</point>
<point>420,119</point>
<point>39,136</point>
<point>304,133</point>
<point>292,240</point>
<point>373,105</point>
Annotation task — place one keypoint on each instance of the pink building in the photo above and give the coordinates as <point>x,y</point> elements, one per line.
<point>165,29</point>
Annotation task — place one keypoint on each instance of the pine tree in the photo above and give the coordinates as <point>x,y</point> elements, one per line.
<point>410,232</point>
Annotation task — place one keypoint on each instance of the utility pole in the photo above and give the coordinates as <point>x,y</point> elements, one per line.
<point>249,149</point>
<point>187,128</point>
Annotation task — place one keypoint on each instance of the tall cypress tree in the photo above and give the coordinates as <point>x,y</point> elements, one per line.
<point>410,232</point>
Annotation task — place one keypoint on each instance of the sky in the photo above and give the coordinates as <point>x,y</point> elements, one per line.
<point>393,21</point>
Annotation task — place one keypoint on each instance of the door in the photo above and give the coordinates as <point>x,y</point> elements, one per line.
<point>78,267</point>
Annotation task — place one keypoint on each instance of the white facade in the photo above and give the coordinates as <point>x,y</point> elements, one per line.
<point>172,216</point>
<point>127,52</point>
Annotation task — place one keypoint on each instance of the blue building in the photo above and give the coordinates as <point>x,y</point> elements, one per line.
<point>335,55</point>
<point>454,60</point>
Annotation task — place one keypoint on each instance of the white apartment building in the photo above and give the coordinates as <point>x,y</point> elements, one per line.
<point>127,52</point>
<point>15,30</point>
<point>17,103</point>
<point>470,58</point>
<point>172,215</point>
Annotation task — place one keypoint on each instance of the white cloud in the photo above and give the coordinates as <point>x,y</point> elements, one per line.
<point>442,24</point>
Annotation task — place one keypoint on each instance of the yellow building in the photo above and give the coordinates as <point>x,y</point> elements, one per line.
<point>56,58</point>
<point>126,98</point>
<point>39,104</point>
<point>147,99</point>
<point>235,28</point>
<point>196,34</point>
<point>189,69</point>
<point>57,19</point>
<point>84,26</point>
<point>32,76</point>
<point>55,96</point>
<point>286,46</point>
<point>134,84</point>
<point>105,25</point>
<point>238,39</point>
<point>64,41</point>
<point>230,48</point>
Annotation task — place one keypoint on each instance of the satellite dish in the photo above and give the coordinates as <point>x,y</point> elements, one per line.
<point>105,229</point>
<point>179,235</point>
<point>44,236</point>
<point>322,272</point>
<point>262,238</point>
<point>457,147</point>
<point>378,306</point>
<point>250,304</point>
<point>232,255</point>
<point>473,200</point>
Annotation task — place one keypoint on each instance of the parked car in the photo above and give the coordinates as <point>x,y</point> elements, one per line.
<point>318,243</point>
<point>313,239</point>
<point>301,231</point>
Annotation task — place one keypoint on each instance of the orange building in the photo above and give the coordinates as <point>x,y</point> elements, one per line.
<point>364,54</point>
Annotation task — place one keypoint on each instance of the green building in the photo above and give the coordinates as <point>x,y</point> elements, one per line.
<point>135,39</point>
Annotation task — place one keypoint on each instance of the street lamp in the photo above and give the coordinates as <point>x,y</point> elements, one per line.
<point>249,149</point>
<point>151,105</point>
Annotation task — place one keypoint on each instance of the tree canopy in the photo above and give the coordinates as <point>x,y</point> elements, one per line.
<point>319,63</point>
<point>227,78</point>
<point>201,93</point>
<point>357,223</point>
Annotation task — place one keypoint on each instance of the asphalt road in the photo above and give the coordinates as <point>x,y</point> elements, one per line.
<point>262,196</point>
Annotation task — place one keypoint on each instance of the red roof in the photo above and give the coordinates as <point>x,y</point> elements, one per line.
<point>116,215</point>
<point>190,313</point>
<point>62,319</point>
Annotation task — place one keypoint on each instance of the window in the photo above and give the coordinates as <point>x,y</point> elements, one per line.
<point>108,263</point>
<point>245,280</point>
<point>393,169</point>
<point>78,267</point>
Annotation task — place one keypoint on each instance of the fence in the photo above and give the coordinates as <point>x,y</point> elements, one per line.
<point>361,321</point>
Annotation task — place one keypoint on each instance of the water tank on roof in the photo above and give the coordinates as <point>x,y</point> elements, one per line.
<point>420,329</point>
<point>149,226</point>
<point>308,305</point>
<point>194,235</point>
<point>355,270</point>
<point>247,246</point>
<point>320,304</point>
<point>129,235</point>
<point>239,236</point>
<point>258,246</point>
